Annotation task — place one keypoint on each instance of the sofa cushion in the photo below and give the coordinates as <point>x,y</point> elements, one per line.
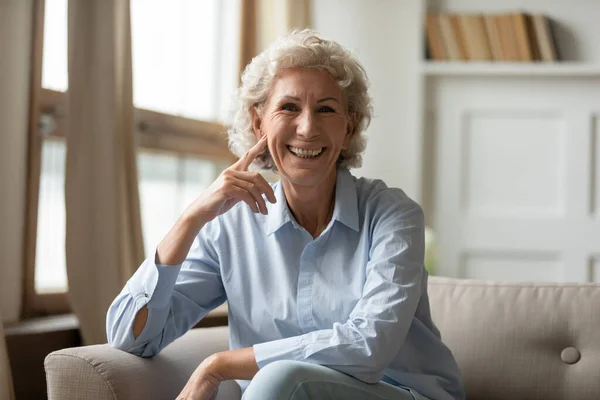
<point>521,340</point>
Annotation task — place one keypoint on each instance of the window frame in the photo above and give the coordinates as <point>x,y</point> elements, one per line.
<point>154,131</point>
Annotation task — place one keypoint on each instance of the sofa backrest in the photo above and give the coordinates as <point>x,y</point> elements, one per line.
<point>521,340</point>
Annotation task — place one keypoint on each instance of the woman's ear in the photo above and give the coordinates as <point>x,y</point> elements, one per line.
<point>256,123</point>
<point>349,130</point>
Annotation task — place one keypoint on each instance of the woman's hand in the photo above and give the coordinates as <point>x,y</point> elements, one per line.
<point>203,384</point>
<point>235,184</point>
<point>219,367</point>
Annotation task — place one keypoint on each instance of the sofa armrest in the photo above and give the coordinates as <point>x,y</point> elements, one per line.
<point>103,372</point>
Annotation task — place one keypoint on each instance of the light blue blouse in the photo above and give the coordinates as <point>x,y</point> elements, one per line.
<point>354,299</point>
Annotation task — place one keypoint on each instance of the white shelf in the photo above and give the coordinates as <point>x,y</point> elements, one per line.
<point>539,69</point>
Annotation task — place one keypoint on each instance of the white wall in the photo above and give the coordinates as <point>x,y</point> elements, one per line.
<point>384,34</point>
<point>15,34</point>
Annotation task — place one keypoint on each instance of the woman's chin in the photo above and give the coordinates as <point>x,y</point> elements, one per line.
<point>305,176</point>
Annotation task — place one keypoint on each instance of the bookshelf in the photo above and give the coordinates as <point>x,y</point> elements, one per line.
<point>573,22</point>
<point>511,151</point>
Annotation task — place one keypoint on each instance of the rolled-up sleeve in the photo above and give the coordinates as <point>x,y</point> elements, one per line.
<point>177,297</point>
<point>366,343</point>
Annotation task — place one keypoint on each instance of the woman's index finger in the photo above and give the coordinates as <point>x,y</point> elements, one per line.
<point>244,162</point>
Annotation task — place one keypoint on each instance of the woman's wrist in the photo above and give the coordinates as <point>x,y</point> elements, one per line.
<point>215,365</point>
<point>191,222</point>
<point>233,364</point>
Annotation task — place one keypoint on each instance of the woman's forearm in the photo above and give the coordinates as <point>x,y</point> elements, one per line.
<point>175,246</point>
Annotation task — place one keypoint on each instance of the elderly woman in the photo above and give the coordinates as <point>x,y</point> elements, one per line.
<point>323,272</point>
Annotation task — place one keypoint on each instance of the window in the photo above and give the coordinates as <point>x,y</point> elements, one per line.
<point>50,265</point>
<point>185,56</point>
<point>185,67</point>
<point>181,178</point>
<point>54,63</point>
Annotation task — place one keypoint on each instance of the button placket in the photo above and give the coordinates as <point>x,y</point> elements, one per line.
<point>305,283</point>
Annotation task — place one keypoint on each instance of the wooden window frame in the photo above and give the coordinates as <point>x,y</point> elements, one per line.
<point>154,130</point>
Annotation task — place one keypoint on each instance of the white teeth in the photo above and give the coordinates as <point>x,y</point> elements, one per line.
<point>304,153</point>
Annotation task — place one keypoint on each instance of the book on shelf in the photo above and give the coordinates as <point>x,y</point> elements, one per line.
<point>435,42</point>
<point>541,28</point>
<point>474,36</point>
<point>493,34</point>
<point>534,42</point>
<point>512,37</point>
<point>454,49</point>
<point>524,52</point>
<point>508,39</point>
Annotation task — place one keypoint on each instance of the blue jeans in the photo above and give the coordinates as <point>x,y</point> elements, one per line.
<point>295,380</point>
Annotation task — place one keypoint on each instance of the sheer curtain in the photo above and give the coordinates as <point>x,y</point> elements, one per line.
<point>16,19</point>
<point>104,242</point>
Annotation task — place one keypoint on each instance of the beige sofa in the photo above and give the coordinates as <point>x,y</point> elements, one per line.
<point>512,341</point>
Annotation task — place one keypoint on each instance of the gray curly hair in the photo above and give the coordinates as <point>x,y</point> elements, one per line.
<point>301,49</point>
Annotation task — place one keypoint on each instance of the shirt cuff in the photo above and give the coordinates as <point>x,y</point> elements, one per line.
<point>282,349</point>
<point>153,284</point>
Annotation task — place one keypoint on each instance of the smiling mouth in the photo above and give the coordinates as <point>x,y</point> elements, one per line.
<point>306,153</point>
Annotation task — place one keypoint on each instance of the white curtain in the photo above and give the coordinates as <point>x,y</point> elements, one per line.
<point>16,18</point>
<point>104,238</point>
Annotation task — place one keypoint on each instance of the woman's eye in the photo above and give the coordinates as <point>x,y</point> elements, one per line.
<point>326,109</point>
<point>289,107</point>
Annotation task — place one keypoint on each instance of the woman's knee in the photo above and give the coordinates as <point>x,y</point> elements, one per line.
<point>278,380</point>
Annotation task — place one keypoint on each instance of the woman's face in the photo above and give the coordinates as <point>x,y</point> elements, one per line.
<point>307,125</point>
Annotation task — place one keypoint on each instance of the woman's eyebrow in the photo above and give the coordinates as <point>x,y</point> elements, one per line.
<point>324,99</point>
<point>327,98</point>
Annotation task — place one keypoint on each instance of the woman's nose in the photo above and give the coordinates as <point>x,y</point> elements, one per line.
<point>306,125</point>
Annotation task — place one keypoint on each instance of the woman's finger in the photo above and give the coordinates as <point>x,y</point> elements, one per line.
<point>253,189</point>
<point>245,196</point>
<point>255,193</point>
<point>244,162</point>
<point>259,181</point>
